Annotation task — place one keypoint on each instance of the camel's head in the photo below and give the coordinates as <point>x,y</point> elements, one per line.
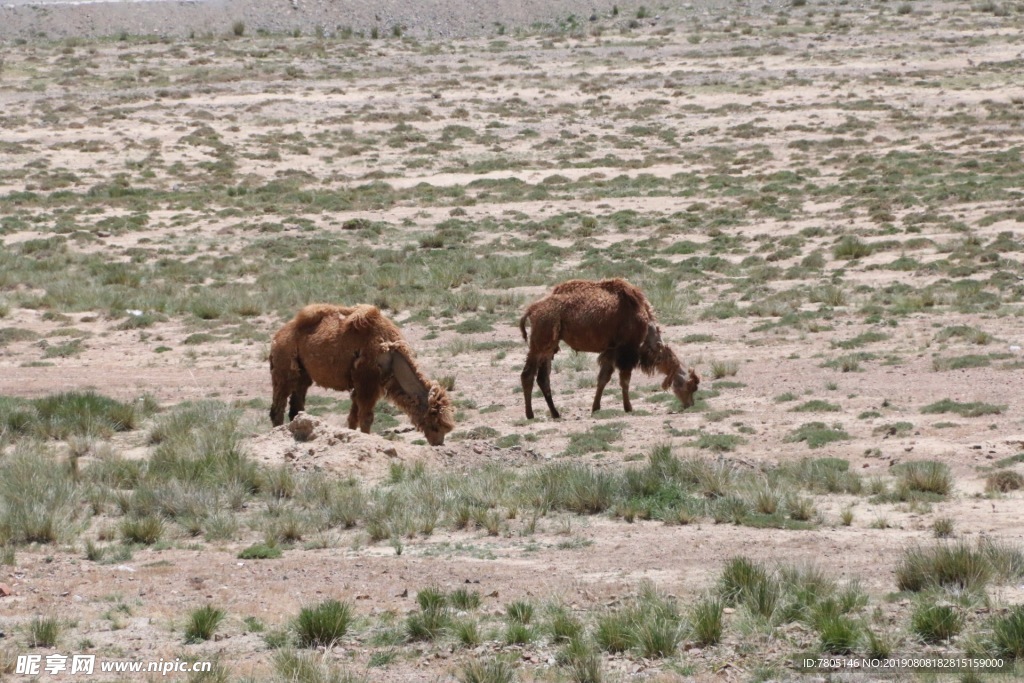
<point>655,354</point>
<point>425,402</point>
<point>684,386</point>
<point>440,418</point>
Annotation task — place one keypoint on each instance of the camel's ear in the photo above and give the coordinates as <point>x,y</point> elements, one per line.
<point>407,378</point>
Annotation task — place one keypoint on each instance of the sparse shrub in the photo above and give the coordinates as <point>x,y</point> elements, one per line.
<point>800,508</point>
<point>955,566</point>
<point>1008,633</point>
<point>942,527</point>
<point>572,487</point>
<point>493,671</point>
<point>44,631</point>
<point>850,247</point>
<point>38,498</point>
<point>817,434</point>
<point>431,598</point>
<point>724,368</point>
<point>926,476</point>
<point>202,622</point>
<point>467,632</point>
<point>323,625</point>
<point>839,634</point>
<point>72,413</point>
<point>657,635</point>
<point>975,409</point>
<point>741,577</point>
<point>432,620</point>
<point>520,612</point>
<point>146,529</point>
<point>562,626</point>
<point>518,634</point>
<point>719,443</point>
<point>936,623</point>
<point>706,621</point>
<point>1004,481</point>
<point>261,551</point>
<point>878,646</point>
<point>310,667</point>
<point>463,599</point>
<point>816,406</point>
<point>238,28</point>
<point>582,661</point>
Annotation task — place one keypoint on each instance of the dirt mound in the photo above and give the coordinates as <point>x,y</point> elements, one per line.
<point>310,443</point>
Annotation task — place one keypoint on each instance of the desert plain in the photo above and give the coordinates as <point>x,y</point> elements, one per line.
<point>823,201</point>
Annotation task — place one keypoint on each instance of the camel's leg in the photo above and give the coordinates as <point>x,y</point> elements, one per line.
<point>365,400</point>
<point>607,363</point>
<point>529,372</point>
<point>367,388</point>
<point>353,414</point>
<point>624,375</point>
<point>282,379</point>
<point>298,399</point>
<point>280,399</point>
<point>544,382</point>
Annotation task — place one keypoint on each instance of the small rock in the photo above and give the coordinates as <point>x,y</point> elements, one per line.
<point>391,452</point>
<point>5,590</point>
<point>303,427</point>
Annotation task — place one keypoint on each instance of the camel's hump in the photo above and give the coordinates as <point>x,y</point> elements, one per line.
<point>312,314</point>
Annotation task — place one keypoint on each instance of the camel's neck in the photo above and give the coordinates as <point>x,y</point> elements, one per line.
<point>408,389</point>
<point>668,363</point>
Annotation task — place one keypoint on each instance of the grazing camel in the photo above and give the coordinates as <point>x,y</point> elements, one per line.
<point>356,349</point>
<point>608,317</point>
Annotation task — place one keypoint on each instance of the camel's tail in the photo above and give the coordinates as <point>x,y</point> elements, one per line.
<point>522,324</point>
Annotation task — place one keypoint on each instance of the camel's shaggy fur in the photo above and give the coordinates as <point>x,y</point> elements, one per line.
<point>608,317</point>
<point>356,349</point>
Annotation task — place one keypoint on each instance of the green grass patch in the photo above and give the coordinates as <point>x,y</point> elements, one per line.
<point>597,439</point>
<point>974,409</point>
<point>817,434</point>
<point>816,406</point>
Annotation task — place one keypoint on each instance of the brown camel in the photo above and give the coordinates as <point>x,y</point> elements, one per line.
<point>611,318</point>
<point>356,349</point>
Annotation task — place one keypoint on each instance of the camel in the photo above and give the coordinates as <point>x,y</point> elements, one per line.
<point>611,318</point>
<point>356,349</point>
